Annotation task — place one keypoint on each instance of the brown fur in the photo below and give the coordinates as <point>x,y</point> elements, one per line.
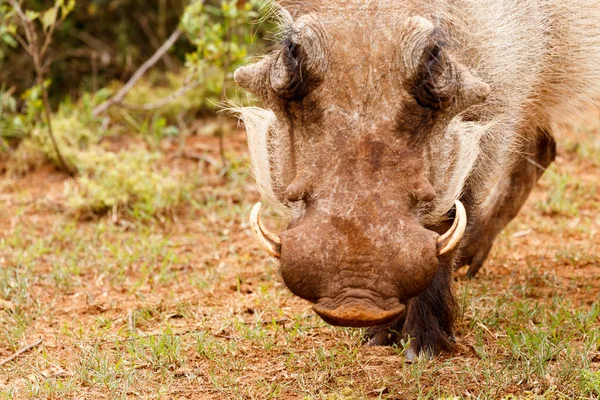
<point>483,229</point>
<point>382,113</point>
<point>430,318</point>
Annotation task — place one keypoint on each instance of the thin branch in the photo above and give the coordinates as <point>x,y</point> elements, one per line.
<point>22,351</point>
<point>22,42</point>
<point>154,40</point>
<point>226,66</point>
<point>7,93</point>
<point>34,51</point>
<point>92,41</point>
<point>59,155</point>
<point>118,98</point>
<point>200,157</point>
<point>51,31</point>
<point>131,322</point>
<point>144,335</point>
<point>22,18</point>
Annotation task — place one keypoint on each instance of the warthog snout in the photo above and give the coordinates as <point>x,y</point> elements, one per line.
<point>358,270</point>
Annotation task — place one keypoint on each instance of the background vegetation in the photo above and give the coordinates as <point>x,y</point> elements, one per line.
<point>78,75</point>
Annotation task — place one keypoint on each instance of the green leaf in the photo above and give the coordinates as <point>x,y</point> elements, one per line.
<point>9,40</point>
<point>11,28</point>
<point>66,8</point>
<point>49,18</point>
<point>32,15</point>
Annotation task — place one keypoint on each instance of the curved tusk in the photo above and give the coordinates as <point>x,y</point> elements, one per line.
<point>449,240</point>
<point>268,240</point>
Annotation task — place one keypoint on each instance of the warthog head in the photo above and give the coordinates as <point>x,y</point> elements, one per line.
<point>357,140</point>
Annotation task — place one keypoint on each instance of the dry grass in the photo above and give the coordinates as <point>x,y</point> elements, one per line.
<point>191,308</point>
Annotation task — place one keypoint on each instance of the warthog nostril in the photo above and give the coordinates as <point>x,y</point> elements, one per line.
<point>425,193</point>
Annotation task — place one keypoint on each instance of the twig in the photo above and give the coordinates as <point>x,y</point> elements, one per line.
<point>37,56</point>
<point>22,42</point>
<point>221,118</point>
<point>50,33</point>
<point>162,19</point>
<point>154,40</point>
<point>485,328</point>
<point>94,63</point>
<point>118,98</point>
<point>200,157</point>
<point>23,18</point>
<point>143,335</point>
<point>59,155</point>
<point>92,41</point>
<point>22,351</point>
<point>131,322</point>
<point>5,94</point>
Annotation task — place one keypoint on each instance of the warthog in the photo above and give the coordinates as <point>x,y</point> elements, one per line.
<point>388,124</point>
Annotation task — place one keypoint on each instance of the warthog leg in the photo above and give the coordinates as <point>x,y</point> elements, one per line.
<point>535,157</point>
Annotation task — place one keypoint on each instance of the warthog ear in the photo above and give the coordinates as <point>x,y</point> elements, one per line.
<point>280,73</point>
<point>289,71</point>
<point>435,78</point>
<point>255,77</point>
<point>472,89</point>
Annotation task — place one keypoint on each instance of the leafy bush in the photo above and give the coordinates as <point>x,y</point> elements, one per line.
<point>101,40</point>
<point>70,133</point>
<point>128,181</point>
<point>221,35</point>
<point>10,125</point>
<point>75,131</point>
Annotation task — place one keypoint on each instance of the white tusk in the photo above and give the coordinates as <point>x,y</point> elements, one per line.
<point>268,240</point>
<point>449,240</point>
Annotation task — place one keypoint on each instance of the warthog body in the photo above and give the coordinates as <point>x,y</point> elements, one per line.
<point>379,115</point>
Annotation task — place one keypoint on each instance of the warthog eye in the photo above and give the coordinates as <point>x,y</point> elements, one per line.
<point>434,84</point>
<point>288,75</point>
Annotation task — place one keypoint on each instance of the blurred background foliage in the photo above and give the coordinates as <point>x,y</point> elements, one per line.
<point>66,92</point>
<point>101,39</point>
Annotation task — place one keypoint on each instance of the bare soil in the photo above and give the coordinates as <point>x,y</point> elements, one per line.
<point>191,308</point>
